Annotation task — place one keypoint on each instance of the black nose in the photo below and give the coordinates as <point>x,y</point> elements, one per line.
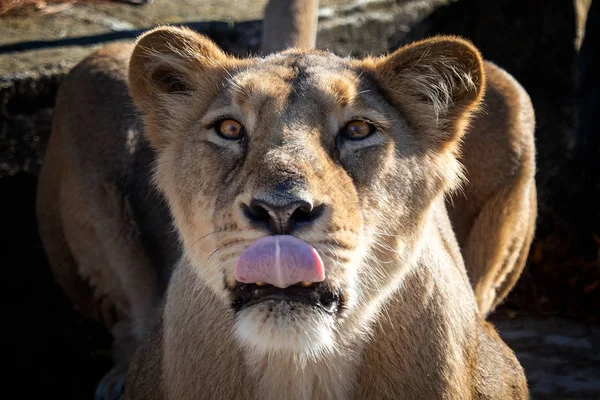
<point>281,217</point>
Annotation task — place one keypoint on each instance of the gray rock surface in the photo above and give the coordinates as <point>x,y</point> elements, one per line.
<point>36,52</point>
<point>561,357</point>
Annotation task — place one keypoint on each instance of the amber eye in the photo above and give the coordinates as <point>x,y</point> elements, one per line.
<point>229,129</point>
<point>358,130</point>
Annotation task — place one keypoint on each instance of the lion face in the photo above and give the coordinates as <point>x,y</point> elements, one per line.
<point>299,182</point>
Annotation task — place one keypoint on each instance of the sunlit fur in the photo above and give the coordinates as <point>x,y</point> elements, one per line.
<point>381,231</point>
<point>286,138</point>
<point>281,326</point>
<point>408,323</point>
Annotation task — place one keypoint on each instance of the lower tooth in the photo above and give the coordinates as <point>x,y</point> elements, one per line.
<point>306,284</point>
<point>260,284</point>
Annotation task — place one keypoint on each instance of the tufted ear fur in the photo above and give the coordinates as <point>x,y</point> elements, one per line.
<point>437,83</point>
<point>171,71</point>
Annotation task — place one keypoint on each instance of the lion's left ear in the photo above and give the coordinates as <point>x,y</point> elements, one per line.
<point>438,82</point>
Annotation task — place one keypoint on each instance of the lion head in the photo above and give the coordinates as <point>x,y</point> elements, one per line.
<point>300,182</point>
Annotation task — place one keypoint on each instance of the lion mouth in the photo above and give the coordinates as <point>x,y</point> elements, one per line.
<point>316,295</point>
<point>283,268</point>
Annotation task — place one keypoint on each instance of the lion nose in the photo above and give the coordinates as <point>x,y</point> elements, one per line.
<point>281,217</point>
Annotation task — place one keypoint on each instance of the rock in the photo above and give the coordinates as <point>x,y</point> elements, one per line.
<point>561,358</point>
<point>364,27</point>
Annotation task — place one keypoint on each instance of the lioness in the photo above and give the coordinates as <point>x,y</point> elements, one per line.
<point>308,193</point>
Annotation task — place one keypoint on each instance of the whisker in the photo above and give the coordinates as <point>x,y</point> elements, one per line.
<point>332,241</point>
<point>379,233</point>
<point>215,252</point>
<point>333,254</point>
<point>203,237</point>
<point>227,256</point>
<point>384,246</point>
<point>232,243</point>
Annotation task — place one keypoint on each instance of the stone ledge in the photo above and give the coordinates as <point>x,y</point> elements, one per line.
<point>27,96</point>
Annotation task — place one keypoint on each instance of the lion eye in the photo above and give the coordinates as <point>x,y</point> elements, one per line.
<point>229,129</point>
<point>358,130</point>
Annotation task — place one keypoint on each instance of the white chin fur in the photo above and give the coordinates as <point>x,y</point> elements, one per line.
<point>289,327</point>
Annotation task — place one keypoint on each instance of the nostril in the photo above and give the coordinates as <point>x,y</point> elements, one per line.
<point>306,213</point>
<point>256,212</point>
<point>281,218</point>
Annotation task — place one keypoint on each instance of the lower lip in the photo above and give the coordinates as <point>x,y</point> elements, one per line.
<point>330,309</point>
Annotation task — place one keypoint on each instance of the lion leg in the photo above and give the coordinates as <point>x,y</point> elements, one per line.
<point>289,23</point>
<point>94,266</point>
<point>494,216</point>
<point>51,230</point>
<point>87,250</point>
<point>95,253</point>
<point>503,286</point>
<point>110,254</point>
<point>127,258</point>
<point>73,251</point>
<point>497,245</point>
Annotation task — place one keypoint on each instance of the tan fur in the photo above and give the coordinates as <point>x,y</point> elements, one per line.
<point>86,223</point>
<point>409,322</point>
<point>495,218</point>
<point>494,214</point>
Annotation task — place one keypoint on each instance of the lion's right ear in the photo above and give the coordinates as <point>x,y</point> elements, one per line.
<point>168,68</point>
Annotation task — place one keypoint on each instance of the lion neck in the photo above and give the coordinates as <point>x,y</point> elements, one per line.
<point>428,307</point>
<point>423,309</point>
<point>416,330</point>
<point>289,376</point>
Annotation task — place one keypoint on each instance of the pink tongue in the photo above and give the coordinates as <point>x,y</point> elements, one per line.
<point>280,261</point>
